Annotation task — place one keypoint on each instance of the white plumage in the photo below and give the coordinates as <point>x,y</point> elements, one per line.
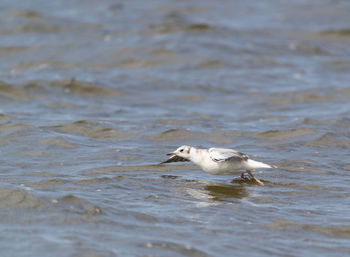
<point>218,161</point>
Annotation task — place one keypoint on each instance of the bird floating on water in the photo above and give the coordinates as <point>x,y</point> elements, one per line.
<point>218,161</point>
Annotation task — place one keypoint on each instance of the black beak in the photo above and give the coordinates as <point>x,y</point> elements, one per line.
<point>170,154</point>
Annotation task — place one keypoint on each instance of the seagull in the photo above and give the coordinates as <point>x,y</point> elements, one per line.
<point>218,161</point>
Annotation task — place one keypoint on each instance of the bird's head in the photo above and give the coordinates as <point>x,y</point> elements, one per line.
<point>183,151</point>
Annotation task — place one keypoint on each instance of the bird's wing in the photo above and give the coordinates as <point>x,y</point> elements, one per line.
<point>175,158</point>
<point>222,154</point>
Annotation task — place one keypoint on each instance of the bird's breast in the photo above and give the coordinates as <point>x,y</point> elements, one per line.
<point>221,168</point>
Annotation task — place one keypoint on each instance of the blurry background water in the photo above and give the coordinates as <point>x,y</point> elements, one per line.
<point>94,93</point>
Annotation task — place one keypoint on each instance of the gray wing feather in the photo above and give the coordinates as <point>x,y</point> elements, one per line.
<point>222,154</point>
<point>175,158</point>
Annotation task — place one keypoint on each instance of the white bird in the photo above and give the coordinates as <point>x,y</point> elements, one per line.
<point>218,161</point>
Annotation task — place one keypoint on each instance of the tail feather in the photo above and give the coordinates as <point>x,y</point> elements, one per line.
<point>258,165</point>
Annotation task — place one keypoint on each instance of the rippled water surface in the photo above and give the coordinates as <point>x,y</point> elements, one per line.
<point>93,94</point>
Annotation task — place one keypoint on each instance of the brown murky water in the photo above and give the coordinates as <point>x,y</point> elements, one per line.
<point>94,93</point>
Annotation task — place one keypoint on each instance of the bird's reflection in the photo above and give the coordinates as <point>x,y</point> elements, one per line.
<point>224,192</point>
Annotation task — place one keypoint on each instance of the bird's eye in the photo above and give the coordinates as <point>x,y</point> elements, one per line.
<point>181,150</point>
